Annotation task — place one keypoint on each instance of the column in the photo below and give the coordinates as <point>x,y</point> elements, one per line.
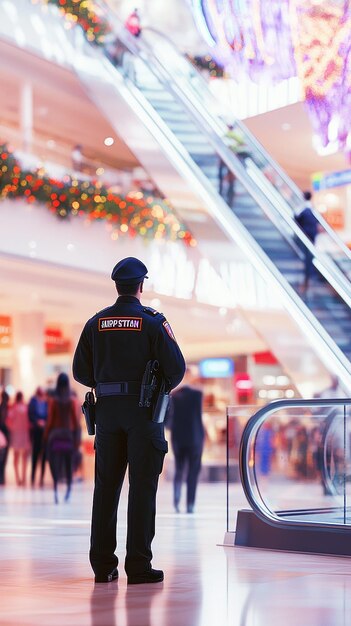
<point>26,116</point>
<point>28,352</point>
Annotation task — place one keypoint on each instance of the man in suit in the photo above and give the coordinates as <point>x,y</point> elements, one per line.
<point>311,227</point>
<point>187,438</point>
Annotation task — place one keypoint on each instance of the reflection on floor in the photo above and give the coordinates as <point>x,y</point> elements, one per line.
<point>45,577</point>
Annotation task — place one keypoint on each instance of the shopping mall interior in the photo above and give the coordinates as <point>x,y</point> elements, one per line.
<point>186,135</point>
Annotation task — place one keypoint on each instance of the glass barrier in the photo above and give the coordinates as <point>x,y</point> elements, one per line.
<point>295,461</point>
<point>237,418</point>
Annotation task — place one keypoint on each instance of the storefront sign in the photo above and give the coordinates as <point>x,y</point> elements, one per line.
<point>264,358</point>
<point>216,368</point>
<point>5,331</point>
<point>55,343</point>
<point>322,181</point>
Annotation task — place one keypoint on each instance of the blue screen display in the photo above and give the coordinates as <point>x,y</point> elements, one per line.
<point>216,368</point>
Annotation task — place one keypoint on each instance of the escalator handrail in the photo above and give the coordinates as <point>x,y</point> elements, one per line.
<point>258,505</point>
<point>332,272</point>
<point>220,127</point>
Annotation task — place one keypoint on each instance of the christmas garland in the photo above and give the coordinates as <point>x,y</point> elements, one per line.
<point>208,64</point>
<point>87,14</point>
<point>133,214</point>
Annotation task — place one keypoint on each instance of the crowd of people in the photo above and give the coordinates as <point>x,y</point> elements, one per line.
<point>46,430</point>
<point>312,450</point>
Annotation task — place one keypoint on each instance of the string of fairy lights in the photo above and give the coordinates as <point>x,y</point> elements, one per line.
<point>90,17</point>
<point>133,214</point>
<point>85,13</point>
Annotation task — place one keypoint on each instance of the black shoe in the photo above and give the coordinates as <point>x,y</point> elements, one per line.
<point>152,576</point>
<point>107,578</point>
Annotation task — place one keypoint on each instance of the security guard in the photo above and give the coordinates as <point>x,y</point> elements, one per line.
<point>114,347</point>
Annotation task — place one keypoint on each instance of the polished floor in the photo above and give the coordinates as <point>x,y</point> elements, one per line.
<point>45,577</point>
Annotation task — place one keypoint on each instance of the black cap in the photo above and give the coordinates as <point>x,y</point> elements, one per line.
<point>129,271</point>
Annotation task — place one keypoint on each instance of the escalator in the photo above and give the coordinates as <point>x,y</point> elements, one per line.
<point>295,468</point>
<point>180,143</point>
<point>277,184</point>
<point>280,246</point>
<point>274,240</point>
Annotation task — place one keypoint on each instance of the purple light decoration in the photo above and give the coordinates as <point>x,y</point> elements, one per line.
<point>245,36</point>
<point>322,43</point>
<point>271,40</point>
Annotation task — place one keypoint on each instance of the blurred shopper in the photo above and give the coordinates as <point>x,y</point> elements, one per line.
<point>133,24</point>
<point>330,450</point>
<point>77,158</point>
<point>19,426</point>
<point>61,432</point>
<point>310,227</point>
<point>235,141</point>
<point>334,390</point>
<point>298,455</point>
<point>78,458</point>
<point>38,413</point>
<point>226,182</point>
<point>115,51</point>
<point>265,448</point>
<point>187,437</point>
<point>4,434</point>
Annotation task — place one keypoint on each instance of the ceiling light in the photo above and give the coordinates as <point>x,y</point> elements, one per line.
<point>109,141</point>
<point>51,143</point>
<point>269,380</point>
<point>282,380</point>
<point>286,126</point>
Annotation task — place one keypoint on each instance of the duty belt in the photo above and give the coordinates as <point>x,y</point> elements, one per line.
<point>125,388</point>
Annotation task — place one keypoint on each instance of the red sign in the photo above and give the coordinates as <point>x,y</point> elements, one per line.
<point>243,387</point>
<point>5,331</point>
<point>265,358</point>
<point>55,343</point>
<point>335,218</point>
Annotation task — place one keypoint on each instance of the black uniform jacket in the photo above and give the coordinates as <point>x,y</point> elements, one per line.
<point>117,342</point>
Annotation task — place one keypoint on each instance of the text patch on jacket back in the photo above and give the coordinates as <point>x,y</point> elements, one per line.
<point>120,323</point>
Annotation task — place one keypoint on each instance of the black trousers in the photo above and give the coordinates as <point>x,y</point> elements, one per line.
<point>61,465</point>
<point>125,437</point>
<point>38,451</point>
<point>188,457</point>
<point>226,181</point>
